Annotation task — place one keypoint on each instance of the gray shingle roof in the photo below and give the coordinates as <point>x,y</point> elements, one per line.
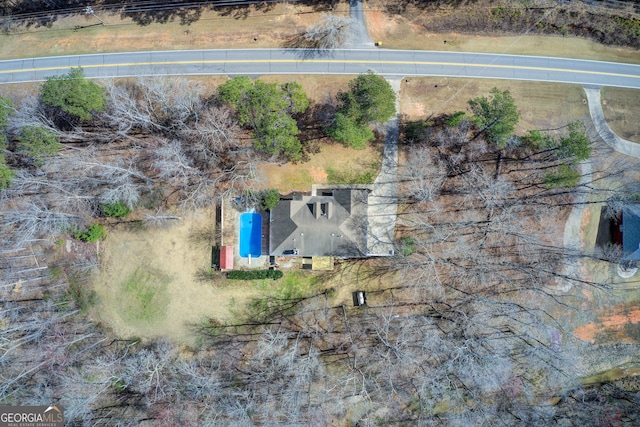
<point>324,225</point>
<point>631,233</point>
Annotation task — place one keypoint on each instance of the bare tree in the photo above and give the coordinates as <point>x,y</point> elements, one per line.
<point>330,32</point>
<point>161,104</point>
<point>213,139</point>
<point>423,177</point>
<point>31,219</point>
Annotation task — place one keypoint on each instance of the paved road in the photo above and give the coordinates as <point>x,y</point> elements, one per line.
<point>389,63</point>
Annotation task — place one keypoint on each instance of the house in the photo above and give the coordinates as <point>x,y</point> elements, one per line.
<point>630,229</point>
<point>330,222</point>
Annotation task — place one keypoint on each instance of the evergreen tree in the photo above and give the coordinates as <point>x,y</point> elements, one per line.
<point>73,94</point>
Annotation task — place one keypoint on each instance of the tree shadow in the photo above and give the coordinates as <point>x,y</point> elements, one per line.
<point>35,14</point>
<point>401,6</point>
<point>312,124</point>
<point>303,48</point>
<point>241,11</point>
<point>186,16</point>
<point>204,235</point>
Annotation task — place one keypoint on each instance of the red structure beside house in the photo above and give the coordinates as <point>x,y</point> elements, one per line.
<point>226,258</point>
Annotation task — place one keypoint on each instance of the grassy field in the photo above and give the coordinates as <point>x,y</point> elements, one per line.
<point>145,296</point>
<point>541,105</point>
<point>332,159</point>
<point>250,28</point>
<point>149,284</point>
<point>622,109</point>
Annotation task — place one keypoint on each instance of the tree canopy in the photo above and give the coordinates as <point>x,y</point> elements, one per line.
<point>576,145</point>
<point>73,94</point>
<point>267,109</point>
<point>564,176</point>
<point>38,143</point>
<point>6,110</point>
<point>370,99</point>
<point>6,174</point>
<point>497,115</point>
<point>270,199</point>
<point>346,130</point>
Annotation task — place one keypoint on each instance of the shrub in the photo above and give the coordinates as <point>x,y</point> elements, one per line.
<point>565,176</point>
<point>407,245</point>
<point>38,143</point>
<point>270,199</point>
<point>417,132</point>
<point>115,210</point>
<point>455,119</point>
<point>254,274</point>
<point>538,140</point>
<point>92,233</point>
<point>6,174</point>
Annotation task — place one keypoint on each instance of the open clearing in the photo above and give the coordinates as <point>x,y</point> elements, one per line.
<point>622,109</point>
<point>148,285</point>
<point>245,28</point>
<point>300,176</point>
<point>317,87</point>
<point>541,105</point>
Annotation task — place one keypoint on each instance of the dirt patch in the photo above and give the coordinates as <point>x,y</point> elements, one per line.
<point>621,108</point>
<point>318,174</point>
<point>380,23</point>
<point>414,109</point>
<point>623,324</point>
<point>148,286</point>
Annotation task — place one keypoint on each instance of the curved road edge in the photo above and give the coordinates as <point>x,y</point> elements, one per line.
<point>621,145</point>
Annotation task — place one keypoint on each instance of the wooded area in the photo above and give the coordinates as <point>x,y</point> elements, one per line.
<point>463,335</point>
